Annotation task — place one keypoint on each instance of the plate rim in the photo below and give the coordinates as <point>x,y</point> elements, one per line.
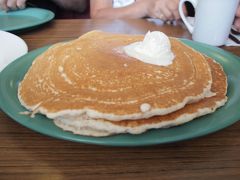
<point>50,16</point>
<point>100,141</point>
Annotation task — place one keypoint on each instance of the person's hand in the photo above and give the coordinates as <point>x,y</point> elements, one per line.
<point>237,19</point>
<point>164,9</point>
<point>7,5</point>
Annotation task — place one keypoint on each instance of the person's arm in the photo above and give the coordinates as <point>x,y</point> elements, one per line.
<point>104,9</point>
<point>162,9</point>
<point>165,9</point>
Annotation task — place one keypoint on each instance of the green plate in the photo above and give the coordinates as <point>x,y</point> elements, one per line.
<point>27,18</point>
<point>223,117</point>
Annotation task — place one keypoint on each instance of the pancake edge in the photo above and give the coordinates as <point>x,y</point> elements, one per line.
<point>92,127</point>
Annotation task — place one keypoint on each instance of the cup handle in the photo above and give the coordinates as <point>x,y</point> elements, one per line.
<point>180,9</point>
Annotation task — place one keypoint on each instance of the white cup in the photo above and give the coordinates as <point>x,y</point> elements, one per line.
<point>213,20</point>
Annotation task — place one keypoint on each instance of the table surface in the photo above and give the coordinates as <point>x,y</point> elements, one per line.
<point>25,154</point>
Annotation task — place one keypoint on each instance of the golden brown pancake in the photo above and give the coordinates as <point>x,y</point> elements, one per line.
<point>92,77</point>
<point>99,127</point>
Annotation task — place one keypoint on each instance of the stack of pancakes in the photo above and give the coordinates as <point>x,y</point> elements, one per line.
<point>89,86</point>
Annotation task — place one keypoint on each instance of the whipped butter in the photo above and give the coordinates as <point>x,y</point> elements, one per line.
<point>154,49</point>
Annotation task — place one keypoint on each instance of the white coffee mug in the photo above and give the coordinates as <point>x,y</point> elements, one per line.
<point>213,20</point>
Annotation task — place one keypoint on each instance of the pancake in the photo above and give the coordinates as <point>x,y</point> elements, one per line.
<point>93,78</point>
<point>99,127</point>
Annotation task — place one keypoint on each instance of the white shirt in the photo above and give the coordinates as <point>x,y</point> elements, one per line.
<point>122,3</point>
